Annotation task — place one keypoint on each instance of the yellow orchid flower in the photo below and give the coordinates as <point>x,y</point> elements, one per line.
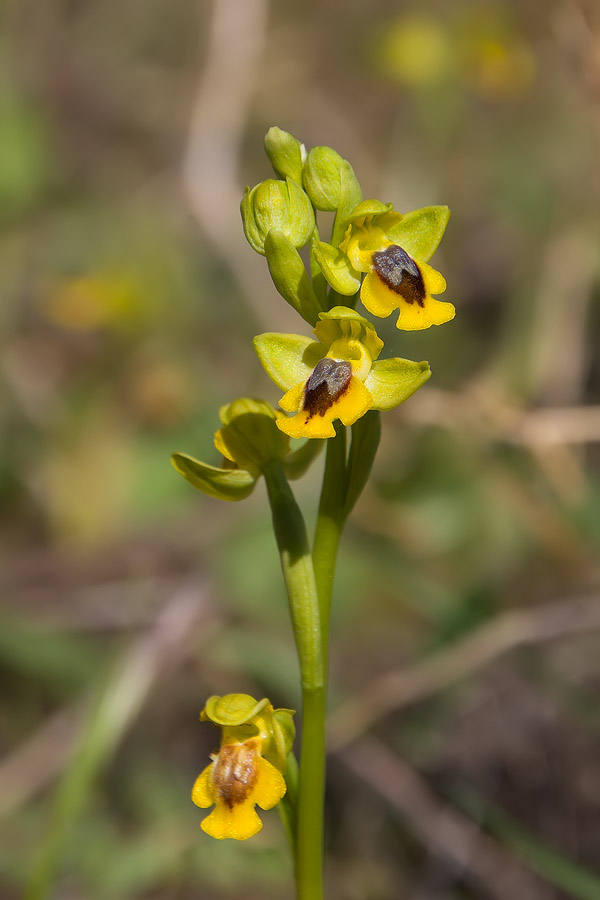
<point>248,440</point>
<point>337,376</point>
<point>235,782</point>
<point>239,776</point>
<point>394,278</point>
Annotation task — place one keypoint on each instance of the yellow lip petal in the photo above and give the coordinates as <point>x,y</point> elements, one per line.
<point>414,318</point>
<point>304,425</point>
<point>377,297</point>
<point>270,786</point>
<point>434,280</point>
<point>239,822</point>
<point>292,400</point>
<point>381,300</point>
<point>202,793</point>
<point>352,404</point>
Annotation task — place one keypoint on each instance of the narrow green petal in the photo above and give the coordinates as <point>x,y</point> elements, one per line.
<point>288,358</point>
<point>336,268</point>
<point>392,381</point>
<point>420,231</point>
<point>224,484</point>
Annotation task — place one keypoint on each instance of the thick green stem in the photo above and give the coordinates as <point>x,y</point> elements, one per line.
<point>298,573</point>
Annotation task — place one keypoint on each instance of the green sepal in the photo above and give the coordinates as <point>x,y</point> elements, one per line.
<point>366,433</point>
<point>298,462</point>
<point>392,381</point>
<point>290,276</point>
<point>369,208</point>
<point>350,197</point>
<point>321,177</point>
<point>336,268</point>
<point>223,484</point>
<point>420,231</point>
<point>288,359</point>
<point>285,153</point>
<point>232,709</point>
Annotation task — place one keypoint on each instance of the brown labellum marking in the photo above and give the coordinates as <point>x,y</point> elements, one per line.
<point>330,379</point>
<point>236,771</point>
<point>400,273</point>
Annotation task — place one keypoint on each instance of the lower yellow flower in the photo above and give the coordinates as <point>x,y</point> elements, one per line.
<point>397,281</point>
<point>235,782</point>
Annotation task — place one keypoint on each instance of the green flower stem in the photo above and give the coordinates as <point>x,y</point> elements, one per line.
<point>298,573</point>
<point>330,523</point>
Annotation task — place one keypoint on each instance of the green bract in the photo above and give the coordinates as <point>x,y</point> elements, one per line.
<point>279,205</point>
<point>290,276</point>
<point>286,154</point>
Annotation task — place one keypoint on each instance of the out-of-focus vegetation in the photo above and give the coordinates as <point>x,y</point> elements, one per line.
<point>129,299</point>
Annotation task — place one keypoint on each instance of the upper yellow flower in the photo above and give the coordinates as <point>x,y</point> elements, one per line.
<point>392,249</point>
<point>338,376</point>
<point>239,777</point>
<point>394,279</point>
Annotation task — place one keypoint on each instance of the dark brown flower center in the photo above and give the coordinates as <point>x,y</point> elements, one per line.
<point>330,379</point>
<point>235,771</point>
<point>400,273</point>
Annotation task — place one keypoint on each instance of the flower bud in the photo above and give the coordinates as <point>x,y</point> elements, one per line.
<point>280,205</point>
<point>321,177</point>
<point>285,153</point>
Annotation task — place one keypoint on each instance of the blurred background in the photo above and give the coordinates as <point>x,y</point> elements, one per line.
<point>465,720</point>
